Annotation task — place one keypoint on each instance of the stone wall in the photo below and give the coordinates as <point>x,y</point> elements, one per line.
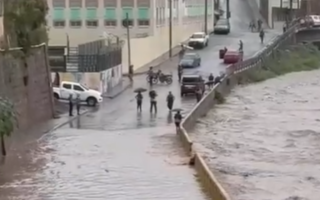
<point>27,82</point>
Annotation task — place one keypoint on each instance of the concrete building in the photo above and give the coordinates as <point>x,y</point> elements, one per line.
<point>273,11</point>
<point>87,20</point>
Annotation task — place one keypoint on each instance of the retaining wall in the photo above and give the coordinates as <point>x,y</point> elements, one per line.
<point>236,73</point>
<point>27,82</point>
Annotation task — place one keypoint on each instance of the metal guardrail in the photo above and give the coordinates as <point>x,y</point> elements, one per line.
<point>268,51</point>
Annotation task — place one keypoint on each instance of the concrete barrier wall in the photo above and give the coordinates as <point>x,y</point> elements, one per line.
<point>214,189</point>
<point>207,179</point>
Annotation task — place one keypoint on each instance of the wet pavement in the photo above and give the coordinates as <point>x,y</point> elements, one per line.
<point>263,143</point>
<point>115,153</point>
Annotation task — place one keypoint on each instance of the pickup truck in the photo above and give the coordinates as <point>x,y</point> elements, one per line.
<point>91,97</point>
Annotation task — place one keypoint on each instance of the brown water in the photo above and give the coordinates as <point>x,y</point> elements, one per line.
<point>264,142</point>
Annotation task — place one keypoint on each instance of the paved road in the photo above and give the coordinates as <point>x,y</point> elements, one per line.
<point>115,153</point>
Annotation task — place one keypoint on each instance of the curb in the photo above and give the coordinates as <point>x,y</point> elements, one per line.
<point>70,119</point>
<point>119,93</point>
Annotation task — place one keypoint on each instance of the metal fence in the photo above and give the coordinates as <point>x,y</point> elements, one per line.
<point>93,56</point>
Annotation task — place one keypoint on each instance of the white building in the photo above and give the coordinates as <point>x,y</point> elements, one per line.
<point>87,20</point>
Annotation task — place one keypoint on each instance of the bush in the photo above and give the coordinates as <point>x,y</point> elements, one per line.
<point>301,57</point>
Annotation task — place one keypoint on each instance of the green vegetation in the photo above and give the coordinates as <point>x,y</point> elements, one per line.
<point>25,23</point>
<point>8,121</point>
<point>219,97</point>
<point>302,57</point>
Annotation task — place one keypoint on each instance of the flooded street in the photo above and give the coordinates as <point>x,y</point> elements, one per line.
<point>263,143</point>
<point>115,153</point>
<point>97,165</point>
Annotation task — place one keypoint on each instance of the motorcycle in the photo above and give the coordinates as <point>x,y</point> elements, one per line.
<point>163,78</point>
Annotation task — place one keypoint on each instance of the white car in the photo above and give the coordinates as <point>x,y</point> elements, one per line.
<point>91,97</point>
<point>199,39</point>
<point>313,20</point>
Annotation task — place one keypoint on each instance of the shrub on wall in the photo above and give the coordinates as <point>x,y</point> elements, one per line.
<point>301,57</point>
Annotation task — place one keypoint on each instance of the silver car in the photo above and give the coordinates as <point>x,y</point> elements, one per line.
<point>222,27</point>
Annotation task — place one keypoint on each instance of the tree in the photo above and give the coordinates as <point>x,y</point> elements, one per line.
<point>25,23</point>
<point>8,121</point>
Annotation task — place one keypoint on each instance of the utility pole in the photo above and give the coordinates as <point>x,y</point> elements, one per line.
<point>206,16</point>
<point>170,28</point>
<point>228,9</point>
<point>68,44</point>
<point>126,24</point>
<point>290,11</point>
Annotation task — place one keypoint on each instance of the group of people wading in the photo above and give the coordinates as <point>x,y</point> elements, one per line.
<point>153,105</point>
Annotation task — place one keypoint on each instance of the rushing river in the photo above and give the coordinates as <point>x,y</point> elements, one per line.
<point>264,142</point>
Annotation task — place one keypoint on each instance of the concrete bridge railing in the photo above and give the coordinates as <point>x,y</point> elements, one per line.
<point>235,73</point>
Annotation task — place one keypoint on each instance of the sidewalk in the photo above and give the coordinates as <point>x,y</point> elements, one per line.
<point>119,89</point>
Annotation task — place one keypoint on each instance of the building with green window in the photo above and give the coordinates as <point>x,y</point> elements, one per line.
<point>85,20</point>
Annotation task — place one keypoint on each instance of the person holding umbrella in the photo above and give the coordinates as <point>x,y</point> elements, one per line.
<point>153,101</point>
<point>139,98</point>
<point>170,100</point>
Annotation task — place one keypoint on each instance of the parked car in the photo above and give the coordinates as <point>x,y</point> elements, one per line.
<point>199,39</point>
<point>190,60</point>
<point>231,57</point>
<point>190,83</point>
<point>222,27</point>
<point>91,97</point>
<point>313,20</point>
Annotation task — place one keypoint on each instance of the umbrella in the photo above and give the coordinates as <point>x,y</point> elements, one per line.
<point>140,90</point>
<point>177,110</point>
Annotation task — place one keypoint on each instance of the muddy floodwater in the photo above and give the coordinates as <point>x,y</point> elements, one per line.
<point>264,142</point>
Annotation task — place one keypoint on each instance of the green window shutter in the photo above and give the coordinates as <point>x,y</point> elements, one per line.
<point>125,11</point>
<point>58,14</point>
<point>110,13</point>
<point>143,13</point>
<point>75,14</point>
<point>91,13</point>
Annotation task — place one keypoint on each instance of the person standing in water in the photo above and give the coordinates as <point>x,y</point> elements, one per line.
<point>177,119</point>
<point>211,80</point>
<point>78,102</point>
<point>170,100</point>
<point>139,99</point>
<point>70,105</point>
<point>261,35</point>
<point>153,101</point>
<point>198,94</point>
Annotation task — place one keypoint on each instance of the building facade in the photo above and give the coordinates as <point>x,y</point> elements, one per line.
<point>274,11</point>
<point>87,20</point>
